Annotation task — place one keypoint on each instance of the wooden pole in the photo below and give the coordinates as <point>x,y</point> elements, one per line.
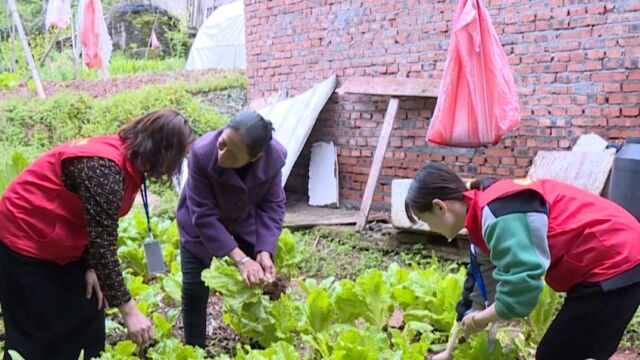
<point>74,55</point>
<point>14,55</point>
<point>27,50</point>
<point>376,166</point>
<point>51,45</point>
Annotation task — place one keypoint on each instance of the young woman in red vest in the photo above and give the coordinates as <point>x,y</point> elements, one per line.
<point>59,226</point>
<point>582,244</point>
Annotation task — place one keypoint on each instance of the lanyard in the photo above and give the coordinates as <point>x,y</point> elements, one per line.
<point>475,270</point>
<point>145,203</point>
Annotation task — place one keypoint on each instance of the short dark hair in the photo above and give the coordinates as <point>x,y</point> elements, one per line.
<point>158,141</point>
<point>437,182</point>
<point>254,130</point>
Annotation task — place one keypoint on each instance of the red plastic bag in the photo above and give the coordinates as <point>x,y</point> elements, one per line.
<point>477,102</point>
<point>94,37</point>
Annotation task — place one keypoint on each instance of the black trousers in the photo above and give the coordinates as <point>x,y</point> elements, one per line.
<point>590,323</point>
<point>195,295</point>
<point>46,313</point>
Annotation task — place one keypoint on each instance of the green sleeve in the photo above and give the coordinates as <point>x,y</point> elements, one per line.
<point>521,256</point>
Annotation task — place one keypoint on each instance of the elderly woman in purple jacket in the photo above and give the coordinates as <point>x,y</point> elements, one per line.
<point>232,205</point>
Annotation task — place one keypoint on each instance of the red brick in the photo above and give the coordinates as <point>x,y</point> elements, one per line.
<point>585,121</point>
<point>577,11</point>
<point>592,111</point>
<point>624,98</point>
<point>611,111</point>
<point>626,121</point>
<point>631,87</point>
<point>631,111</point>
<point>596,9</point>
<point>609,76</point>
<point>595,54</point>
<point>502,171</point>
<point>633,6</point>
<point>564,144</point>
<point>611,87</point>
<point>528,17</point>
<point>487,170</point>
<point>577,56</point>
<point>519,173</point>
<point>563,132</point>
<point>523,162</point>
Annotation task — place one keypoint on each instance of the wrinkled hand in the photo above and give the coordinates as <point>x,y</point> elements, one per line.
<point>138,326</point>
<point>472,323</point>
<point>251,272</point>
<point>93,286</point>
<point>264,259</point>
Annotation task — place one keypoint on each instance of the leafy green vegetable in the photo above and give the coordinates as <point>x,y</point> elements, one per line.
<point>476,349</point>
<point>278,351</point>
<point>540,318</point>
<point>172,348</point>
<point>289,254</point>
<point>319,309</point>
<point>376,293</point>
<point>9,170</point>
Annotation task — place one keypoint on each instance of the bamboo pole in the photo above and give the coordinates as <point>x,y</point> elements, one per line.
<point>51,45</point>
<point>74,55</point>
<point>14,55</point>
<point>25,46</point>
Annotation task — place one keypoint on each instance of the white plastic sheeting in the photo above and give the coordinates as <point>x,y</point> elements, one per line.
<point>220,42</point>
<point>294,118</point>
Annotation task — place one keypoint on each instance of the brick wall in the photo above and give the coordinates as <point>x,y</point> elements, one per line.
<point>575,65</point>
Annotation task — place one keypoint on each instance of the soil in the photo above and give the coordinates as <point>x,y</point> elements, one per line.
<point>220,337</point>
<point>276,288</point>
<point>112,86</point>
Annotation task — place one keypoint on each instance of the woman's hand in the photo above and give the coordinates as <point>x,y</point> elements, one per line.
<point>251,272</point>
<point>478,320</point>
<point>93,286</point>
<point>138,326</point>
<point>264,259</point>
<point>472,325</point>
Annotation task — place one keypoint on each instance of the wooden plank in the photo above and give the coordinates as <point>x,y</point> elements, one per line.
<point>390,86</point>
<point>27,50</point>
<point>327,220</point>
<point>376,165</point>
<point>341,219</point>
<point>586,170</point>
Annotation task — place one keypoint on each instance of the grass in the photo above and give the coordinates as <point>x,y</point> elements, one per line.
<point>347,254</point>
<point>60,68</point>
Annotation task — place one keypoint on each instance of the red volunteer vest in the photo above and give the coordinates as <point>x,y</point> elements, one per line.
<point>590,238</point>
<point>40,218</point>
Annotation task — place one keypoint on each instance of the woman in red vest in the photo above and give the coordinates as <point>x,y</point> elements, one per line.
<point>59,221</point>
<point>582,244</point>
